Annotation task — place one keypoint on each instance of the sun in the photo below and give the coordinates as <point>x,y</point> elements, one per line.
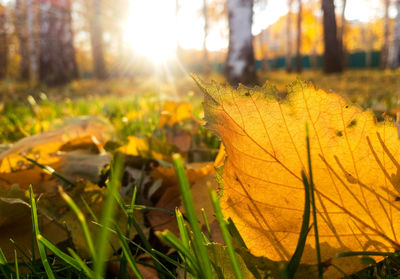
<point>151,29</point>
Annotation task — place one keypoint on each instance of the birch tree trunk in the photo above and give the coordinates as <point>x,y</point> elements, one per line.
<point>22,39</point>
<point>3,42</point>
<point>96,37</point>
<point>240,66</point>
<point>332,57</point>
<point>385,46</point>
<point>299,67</point>
<point>57,53</point>
<point>394,57</point>
<point>289,37</point>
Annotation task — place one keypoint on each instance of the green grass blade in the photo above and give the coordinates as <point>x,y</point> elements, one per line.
<point>225,234</point>
<point>81,218</point>
<point>128,255</point>
<point>89,209</point>
<point>182,228</point>
<point>35,225</point>
<point>4,265</point>
<point>203,213</point>
<point>107,219</point>
<point>69,260</point>
<point>51,171</point>
<point>16,264</point>
<point>167,259</point>
<point>170,239</point>
<point>89,273</point>
<point>314,209</point>
<point>191,214</point>
<point>236,237</point>
<point>305,228</point>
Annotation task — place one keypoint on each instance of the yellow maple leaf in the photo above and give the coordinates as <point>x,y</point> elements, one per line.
<point>355,167</point>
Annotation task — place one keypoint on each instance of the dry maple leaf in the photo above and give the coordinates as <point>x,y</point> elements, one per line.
<point>355,166</point>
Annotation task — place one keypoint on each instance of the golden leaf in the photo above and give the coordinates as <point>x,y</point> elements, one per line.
<point>355,167</point>
<point>148,148</point>
<point>173,112</point>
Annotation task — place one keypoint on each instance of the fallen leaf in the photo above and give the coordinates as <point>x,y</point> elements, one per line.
<point>76,152</point>
<point>89,133</point>
<point>147,148</point>
<point>173,112</point>
<point>355,168</point>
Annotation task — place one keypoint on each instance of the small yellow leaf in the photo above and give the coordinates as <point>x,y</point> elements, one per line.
<point>173,112</point>
<point>355,166</point>
<point>147,148</point>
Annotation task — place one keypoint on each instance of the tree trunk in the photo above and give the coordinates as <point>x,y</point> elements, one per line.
<point>299,67</point>
<point>394,58</point>
<point>3,43</point>
<point>385,46</point>
<point>22,39</point>
<point>289,37</point>
<point>332,57</point>
<point>57,53</point>
<point>206,62</point>
<point>342,31</point>
<point>96,37</point>
<point>240,66</point>
<point>33,62</point>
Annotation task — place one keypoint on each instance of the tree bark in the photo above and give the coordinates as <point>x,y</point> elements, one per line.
<point>22,39</point>
<point>3,43</point>
<point>289,37</point>
<point>240,66</point>
<point>385,46</point>
<point>394,57</point>
<point>57,53</point>
<point>299,67</point>
<point>206,61</point>
<point>96,37</point>
<point>332,57</point>
<point>31,41</point>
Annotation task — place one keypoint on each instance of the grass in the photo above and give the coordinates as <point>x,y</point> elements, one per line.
<point>135,111</point>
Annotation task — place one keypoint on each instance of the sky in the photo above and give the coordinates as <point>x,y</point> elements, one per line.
<point>154,29</point>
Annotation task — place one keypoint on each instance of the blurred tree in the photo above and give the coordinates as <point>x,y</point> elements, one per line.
<point>332,57</point>
<point>206,62</point>
<point>299,35</point>
<point>96,38</point>
<point>20,27</point>
<point>31,15</point>
<point>289,37</point>
<point>57,53</point>
<point>341,36</point>
<point>394,57</point>
<point>240,65</point>
<point>385,45</point>
<point>3,42</point>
